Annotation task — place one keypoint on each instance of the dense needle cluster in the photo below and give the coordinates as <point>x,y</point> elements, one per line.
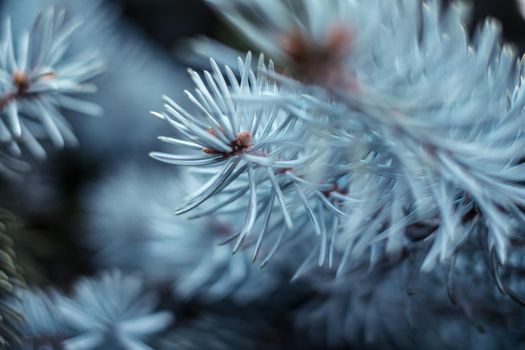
<point>413,150</point>
<point>405,139</point>
<point>260,153</point>
<point>38,78</point>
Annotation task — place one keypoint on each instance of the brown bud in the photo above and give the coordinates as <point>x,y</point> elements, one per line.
<point>244,139</point>
<point>20,79</point>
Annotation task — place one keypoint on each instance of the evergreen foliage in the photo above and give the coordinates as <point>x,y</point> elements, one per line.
<point>355,179</point>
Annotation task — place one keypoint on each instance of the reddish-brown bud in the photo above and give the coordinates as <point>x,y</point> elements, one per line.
<point>319,60</point>
<point>21,80</point>
<point>244,139</point>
